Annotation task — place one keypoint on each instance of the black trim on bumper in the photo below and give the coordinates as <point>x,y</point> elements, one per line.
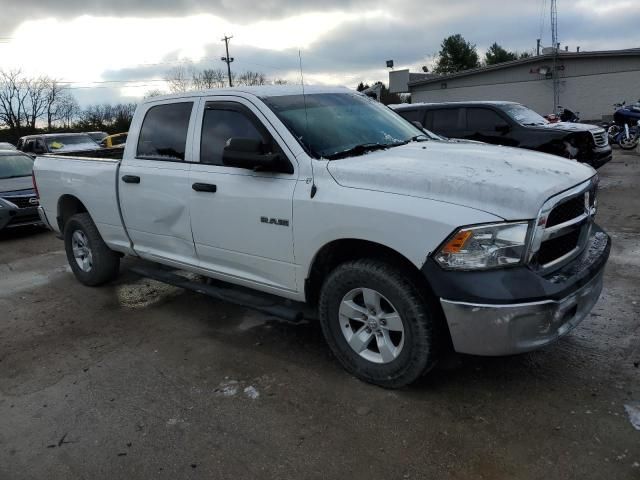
<point>520,284</point>
<point>597,157</point>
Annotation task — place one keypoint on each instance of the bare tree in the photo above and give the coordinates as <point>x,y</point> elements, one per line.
<point>251,78</point>
<point>23,101</point>
<point>208,78</point>
<point>279,81</point>
<point>67,110</point>
<point>179,80</point>
<point>156,92</point>
<point>55,94</point>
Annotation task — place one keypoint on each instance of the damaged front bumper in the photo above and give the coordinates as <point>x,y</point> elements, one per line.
<point>510,311</point>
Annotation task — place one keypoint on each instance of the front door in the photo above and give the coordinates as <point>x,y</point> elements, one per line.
<point>241,219</point>
<point>154,185</point>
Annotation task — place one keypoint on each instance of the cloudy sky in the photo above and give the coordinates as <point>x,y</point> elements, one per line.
<point>120,49</point>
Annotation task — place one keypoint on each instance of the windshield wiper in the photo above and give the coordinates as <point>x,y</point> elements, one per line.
<point>14,176</point>
<point>360,149</point>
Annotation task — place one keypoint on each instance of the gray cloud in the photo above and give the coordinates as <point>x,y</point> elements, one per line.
<point>411,35</point>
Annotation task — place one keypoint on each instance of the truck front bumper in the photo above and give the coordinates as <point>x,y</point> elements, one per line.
<point>510,311</point>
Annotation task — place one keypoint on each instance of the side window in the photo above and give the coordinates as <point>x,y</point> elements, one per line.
<point>218,126</point>
<point>163,135</point>
<point>445,120</point>
<point>28,147</point>
<point>413,115</point>
<point>483,119</point>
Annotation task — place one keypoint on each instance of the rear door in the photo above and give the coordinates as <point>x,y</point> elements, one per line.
<point>487,125</point>
<point>242,226</point>
<point>154,183</point>
<point>447,122</point>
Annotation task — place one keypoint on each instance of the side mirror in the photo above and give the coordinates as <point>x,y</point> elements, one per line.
<point>503,128</point>
<point>249,153</point>
<point>39,150</point>
<point>418,124</point>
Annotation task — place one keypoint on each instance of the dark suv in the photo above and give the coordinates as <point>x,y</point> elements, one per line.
<point>513,125</point>
<point>18,199</point>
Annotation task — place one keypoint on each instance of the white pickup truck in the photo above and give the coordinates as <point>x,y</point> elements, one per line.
<point>404,245</point>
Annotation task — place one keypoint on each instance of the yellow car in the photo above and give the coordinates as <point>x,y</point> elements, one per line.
<point>116,140</point>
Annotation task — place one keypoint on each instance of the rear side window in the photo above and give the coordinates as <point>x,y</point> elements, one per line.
<point>163,135</point>
<point>220,125</point>
<point>412,115</point>
<point>479,119</point>
<point>445,120</point>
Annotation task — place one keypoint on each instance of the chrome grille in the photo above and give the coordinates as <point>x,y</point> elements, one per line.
<point>600,138</point>
<point>563,227</point>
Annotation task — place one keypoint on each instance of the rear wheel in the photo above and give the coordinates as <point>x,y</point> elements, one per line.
<point>378,323</point>
<point>92,262</point>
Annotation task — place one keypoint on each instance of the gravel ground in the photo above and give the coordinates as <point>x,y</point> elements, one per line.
<point>142,380</point>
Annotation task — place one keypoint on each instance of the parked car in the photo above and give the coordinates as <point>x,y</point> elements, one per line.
<point>57,143</point>
<point>98,136</point>
<point>332,202</point>
<point>116,140</point>
<point>513,125</point>
<point>7,146</point>
<point>19,206</point>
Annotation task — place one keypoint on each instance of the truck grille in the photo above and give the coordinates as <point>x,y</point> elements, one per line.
<point>566,211</point>
<point>600,138</point>
<point>563,227</point>
<point>22,201</point>
<point>558,247</point>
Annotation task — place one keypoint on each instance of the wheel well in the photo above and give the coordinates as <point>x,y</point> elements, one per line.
<point>68,205</point>
<point>340,251</point>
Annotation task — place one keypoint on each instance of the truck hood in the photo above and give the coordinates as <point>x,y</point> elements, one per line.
<point>569,127</point>
<point>13,185</point>
<point>508,182</point>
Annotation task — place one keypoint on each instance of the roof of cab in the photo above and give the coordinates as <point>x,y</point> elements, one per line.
<point>261,91</point>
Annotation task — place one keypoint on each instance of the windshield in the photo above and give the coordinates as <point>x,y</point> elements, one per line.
<point>524,115</point>
<point>70,142</point>
<point>12,166</point>
<point>332,125</point>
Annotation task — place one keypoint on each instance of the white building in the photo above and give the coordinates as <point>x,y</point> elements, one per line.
<point>590,82</point>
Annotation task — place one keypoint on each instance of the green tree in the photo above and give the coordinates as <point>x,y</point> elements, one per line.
<point>496,54</point>
<point>361,86</point>
<point>456,54</point>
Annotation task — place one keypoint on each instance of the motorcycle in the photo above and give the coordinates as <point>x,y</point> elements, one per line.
<point>625,129</point>
<point>564,115</point>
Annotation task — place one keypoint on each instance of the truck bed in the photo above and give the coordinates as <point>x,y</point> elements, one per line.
<point>89,177</point>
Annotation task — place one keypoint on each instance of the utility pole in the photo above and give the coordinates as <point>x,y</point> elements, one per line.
<point>228,59</point>
<point>556,53</point>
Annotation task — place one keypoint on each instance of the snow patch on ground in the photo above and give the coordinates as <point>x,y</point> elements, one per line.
<point>251,392</point>
<point>633,410</point>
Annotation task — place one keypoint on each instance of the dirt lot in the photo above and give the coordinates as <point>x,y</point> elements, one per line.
<point>140,380</point>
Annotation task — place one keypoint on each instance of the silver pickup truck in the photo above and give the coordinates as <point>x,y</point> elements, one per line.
<point>403,244</point>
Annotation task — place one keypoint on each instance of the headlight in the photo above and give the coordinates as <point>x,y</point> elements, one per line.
<point>484,246</point>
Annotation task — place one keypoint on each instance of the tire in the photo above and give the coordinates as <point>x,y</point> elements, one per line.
<point>404,357</point>
<point>629,144</point>
<point>93,263</point>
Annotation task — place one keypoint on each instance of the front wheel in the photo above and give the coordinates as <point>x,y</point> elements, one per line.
<point>378,323</point>
<point>92,262</point>
<point>629,142</point>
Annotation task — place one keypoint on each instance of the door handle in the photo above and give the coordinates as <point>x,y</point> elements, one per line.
<point>204,187</point>
<point>131,179</point>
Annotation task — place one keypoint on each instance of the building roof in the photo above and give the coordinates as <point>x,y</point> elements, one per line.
<point>524,61</point>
